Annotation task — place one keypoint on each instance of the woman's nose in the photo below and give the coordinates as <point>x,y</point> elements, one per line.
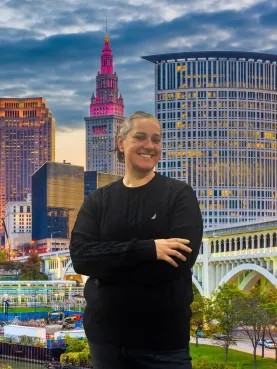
<point>149,142</point>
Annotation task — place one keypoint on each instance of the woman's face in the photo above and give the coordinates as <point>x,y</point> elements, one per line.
<point>142,146</point>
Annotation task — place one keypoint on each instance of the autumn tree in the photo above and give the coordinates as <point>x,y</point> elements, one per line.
<point>269,305</point>
<point>31,269</point>
<point>226,312</point>
<point>200,308</point>
<point>3,256</point>
<point>253,317</point>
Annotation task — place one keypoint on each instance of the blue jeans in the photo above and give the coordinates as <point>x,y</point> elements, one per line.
<point>109,356</point>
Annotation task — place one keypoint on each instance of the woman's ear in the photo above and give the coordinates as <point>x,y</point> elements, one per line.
<point>120,144</point>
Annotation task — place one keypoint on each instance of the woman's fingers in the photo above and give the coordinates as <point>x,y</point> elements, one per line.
<point>171,261</point>
<point>179,243</point>
<point>177,255</point>
<point>167,248</point>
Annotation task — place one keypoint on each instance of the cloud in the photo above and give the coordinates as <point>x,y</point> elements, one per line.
<point>52,49</point>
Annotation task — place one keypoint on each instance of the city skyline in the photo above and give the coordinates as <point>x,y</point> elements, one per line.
<point>218,114</point>
<point>54,51</point>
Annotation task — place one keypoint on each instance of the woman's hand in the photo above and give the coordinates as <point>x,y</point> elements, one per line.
<point>166,248</point>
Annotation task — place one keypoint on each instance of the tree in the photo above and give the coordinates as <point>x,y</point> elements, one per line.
<point>200,308</point>
<point>253,317</point>
<point>77,352</point>
<point>3,256</point>
<point>74,344</point>
<point>226,311</point>
<point>269,304</point>
<point>31,269</point>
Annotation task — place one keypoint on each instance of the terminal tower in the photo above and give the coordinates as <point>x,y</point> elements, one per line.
<point>106,112</point>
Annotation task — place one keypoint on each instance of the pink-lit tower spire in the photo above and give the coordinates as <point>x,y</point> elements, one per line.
<point>107,100</point>
<point>106,112</point>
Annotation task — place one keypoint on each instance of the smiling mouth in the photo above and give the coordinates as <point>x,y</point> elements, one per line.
<point>146,156</point>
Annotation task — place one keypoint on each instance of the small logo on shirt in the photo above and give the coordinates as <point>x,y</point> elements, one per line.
<point>154,216</point>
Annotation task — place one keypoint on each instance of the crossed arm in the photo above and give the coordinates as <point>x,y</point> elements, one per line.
<point>93,257</point>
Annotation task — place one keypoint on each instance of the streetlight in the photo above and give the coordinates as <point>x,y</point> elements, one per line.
<point>51,239</point>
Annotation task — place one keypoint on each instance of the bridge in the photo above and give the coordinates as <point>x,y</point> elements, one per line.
<point>243,253</point>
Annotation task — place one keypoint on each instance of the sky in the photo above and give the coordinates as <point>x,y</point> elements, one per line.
<point>52,48</point>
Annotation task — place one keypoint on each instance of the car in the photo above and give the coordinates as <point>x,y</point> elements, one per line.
<point>266,343</point>
<point>219,336</point>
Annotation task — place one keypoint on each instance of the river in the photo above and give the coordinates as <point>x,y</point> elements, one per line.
<point>16,364</point>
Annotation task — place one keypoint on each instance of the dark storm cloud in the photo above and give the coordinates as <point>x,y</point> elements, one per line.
<point>52,49</point>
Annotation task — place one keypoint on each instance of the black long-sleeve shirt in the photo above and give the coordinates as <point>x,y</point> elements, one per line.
<point>133,298</point>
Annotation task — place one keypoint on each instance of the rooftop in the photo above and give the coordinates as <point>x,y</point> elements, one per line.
<point>211,55</point>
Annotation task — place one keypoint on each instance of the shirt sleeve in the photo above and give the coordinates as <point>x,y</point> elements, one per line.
<point>186,222</point>
<point>96,258</point>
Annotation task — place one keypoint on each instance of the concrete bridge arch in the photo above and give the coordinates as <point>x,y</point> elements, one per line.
<point>255,273</point>
<point>198,285</point>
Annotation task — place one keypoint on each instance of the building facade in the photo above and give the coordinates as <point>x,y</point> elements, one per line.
<point>106,112</point>
<point>218,112</point>
<point>18,220</point>
<point>94,180</point>
<point>27,130</point>
<point>57,195</point>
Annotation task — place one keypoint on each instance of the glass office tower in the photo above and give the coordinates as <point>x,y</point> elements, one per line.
<point>57,195</point>
<point>27,140</point>
<point>219,117</point>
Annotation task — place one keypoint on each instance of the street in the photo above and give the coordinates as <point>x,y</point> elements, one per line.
<point>244,345</point>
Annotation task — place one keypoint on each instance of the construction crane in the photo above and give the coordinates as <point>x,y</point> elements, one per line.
<point>8,239</point>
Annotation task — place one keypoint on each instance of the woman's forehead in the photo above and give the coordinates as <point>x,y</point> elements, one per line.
<point>146,124</point>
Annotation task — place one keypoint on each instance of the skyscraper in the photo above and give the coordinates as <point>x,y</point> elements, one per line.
<point>57,195</point>
<point>219,116</point>
<point>106,111</point>
<point>27,130</point>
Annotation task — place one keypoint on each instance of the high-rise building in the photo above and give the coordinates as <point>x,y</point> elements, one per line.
<point>18,220</point>
<point>90,182</point>
<point>106,111</point>
<point>219,117</point>
<point>57,195</point>
<point>94,180</point>
<point>27,130</point>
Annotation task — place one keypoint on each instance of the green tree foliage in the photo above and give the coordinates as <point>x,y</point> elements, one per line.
<point>269,306</point>
<point>201,308</point>
<point>253,317</point>
<point>75,344</point>
<point>31,269</point>
<point>77,352</point>
<point>3,256</point>
<point>226,313</point>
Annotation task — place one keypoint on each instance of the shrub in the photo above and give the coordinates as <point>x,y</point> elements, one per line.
<point>77,352</point>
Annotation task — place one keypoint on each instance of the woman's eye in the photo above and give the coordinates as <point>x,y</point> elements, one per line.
<point>156,140</point>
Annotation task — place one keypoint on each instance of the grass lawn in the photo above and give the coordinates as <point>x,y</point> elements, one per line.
<point>236,359</point>
<point>27,309</point>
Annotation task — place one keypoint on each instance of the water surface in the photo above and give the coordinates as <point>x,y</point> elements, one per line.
<point>16,364</point>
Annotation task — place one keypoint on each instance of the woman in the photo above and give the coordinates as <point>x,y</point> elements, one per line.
<point>137,240</point>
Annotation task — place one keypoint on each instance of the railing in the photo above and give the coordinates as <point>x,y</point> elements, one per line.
<point>259,252</point>
<point>29,353</point>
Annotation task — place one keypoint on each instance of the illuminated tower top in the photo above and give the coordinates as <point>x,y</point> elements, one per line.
<point>107,100</point>
<point>107,58</point>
